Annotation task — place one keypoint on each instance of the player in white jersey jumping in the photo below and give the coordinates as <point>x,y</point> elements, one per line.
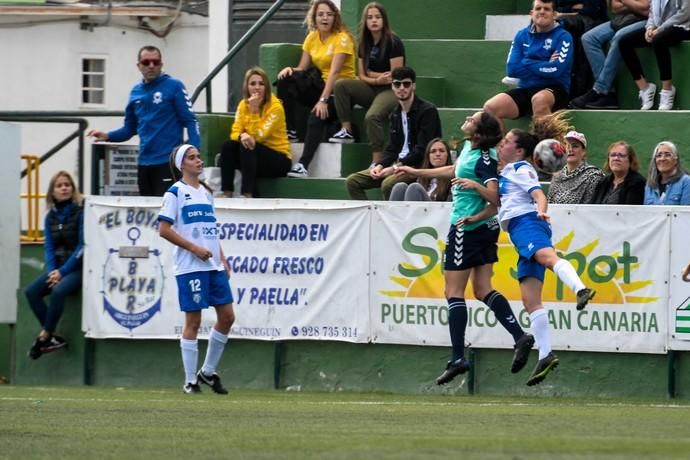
<point>187,219</point>
<point>523,214</point>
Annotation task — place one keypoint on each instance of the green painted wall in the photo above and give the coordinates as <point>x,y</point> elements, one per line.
<point>332,366</point>
<point>434,18</point>
<point>643,130</point>
<point>5,346</point>
<point>215,129</point>
<point>63,367</point>
<point>245,363</point>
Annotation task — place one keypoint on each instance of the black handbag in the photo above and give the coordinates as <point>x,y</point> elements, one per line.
<point>306,80</point>
<point>309,79</point>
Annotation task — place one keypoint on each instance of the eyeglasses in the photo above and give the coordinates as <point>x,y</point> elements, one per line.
<point>148,62</point>
<point>618,155</point>
<point>663,155</point>
<point>406,83</point>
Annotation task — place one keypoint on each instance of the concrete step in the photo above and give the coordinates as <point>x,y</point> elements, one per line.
<point>601,127</point>
<point>313,188</point>
<point>335,160</point>
<point>505,26</point>
<point>643,130</point>
<point>437,18</point>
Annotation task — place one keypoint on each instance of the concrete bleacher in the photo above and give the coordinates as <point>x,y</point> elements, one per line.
<point>458,70</point>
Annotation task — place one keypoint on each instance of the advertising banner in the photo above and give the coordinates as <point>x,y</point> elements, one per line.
<point>297,272</point>
<point>373,272</point>
<point>622,255</point>
<point>679,291</point>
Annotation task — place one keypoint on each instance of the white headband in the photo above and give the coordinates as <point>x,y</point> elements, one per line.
<point>179,155</point>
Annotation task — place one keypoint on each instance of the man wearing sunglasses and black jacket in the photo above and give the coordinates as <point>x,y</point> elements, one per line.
<point>413,124</point>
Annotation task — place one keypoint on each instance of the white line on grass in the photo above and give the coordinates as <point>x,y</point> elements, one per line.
<point>196,399</point>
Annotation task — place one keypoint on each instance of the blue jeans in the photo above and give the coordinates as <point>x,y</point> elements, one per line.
<point>49,316</point>
<point>605,65</point>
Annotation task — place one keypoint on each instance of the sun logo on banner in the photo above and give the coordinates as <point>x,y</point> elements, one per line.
<point>609,274</point>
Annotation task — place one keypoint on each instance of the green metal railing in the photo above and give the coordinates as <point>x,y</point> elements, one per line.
<point>206,82</point>
<point>61,117</point>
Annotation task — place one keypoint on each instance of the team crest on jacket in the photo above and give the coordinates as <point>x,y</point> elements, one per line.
<point>132,282</point>
<point>548,43</point>
<point>157,97</point>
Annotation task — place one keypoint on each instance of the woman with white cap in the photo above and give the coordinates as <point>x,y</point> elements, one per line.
<point>187,219</point>
<point>576,182</point>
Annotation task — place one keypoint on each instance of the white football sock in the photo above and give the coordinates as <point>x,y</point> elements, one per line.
<point>568,275</point>
<point>540,329</point>
<point>190,356</point>
<point>216,345</point>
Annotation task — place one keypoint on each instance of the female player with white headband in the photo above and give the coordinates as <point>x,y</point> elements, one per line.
<point>187,219</point>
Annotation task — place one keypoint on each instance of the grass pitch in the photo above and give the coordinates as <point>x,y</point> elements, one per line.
<point>104,423</point>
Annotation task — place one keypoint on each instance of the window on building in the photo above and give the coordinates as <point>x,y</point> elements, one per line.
<point>93,81</point>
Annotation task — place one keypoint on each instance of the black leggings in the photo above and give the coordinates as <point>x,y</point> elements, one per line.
<point>294,90</point>
<point>260,162</point>
<point>661,44</point>
<point>290,94</point>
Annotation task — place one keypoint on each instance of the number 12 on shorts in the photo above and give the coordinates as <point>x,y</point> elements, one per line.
<point>195,285</point>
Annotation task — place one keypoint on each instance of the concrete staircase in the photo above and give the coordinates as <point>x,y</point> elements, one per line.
<point>459,49</point>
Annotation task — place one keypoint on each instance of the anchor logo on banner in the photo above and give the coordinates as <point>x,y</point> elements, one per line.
<point>132,282</point>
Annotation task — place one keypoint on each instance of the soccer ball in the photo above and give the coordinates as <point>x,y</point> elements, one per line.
<point>549,156</point>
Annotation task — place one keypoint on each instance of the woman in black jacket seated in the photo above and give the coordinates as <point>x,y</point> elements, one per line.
<point>623,183</point>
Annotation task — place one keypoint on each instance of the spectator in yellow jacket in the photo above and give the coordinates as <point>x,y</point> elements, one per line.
<point>258,144</point>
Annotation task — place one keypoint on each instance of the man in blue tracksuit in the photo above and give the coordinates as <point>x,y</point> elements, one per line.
<point>541,57</point>
<point>158,110</point>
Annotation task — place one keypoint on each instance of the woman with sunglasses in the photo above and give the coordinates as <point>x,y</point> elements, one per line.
<point>623,183</point>
<point>258,144</point>
<point>471,248</point>
<point>330,48</point>
<point>379,52</point>
<point>667,181</point>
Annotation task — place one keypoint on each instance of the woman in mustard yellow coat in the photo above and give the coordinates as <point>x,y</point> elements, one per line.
<point>258,144</point>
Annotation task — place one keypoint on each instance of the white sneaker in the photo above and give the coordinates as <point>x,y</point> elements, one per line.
<point>666,97</point>
<point>342,137</point>
<point>298,171</point>
<point>510,81</point>
<point>647,96</point>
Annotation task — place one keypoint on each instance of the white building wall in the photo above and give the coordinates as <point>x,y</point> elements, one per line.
<point>9,225</point>
<point>42,71</point>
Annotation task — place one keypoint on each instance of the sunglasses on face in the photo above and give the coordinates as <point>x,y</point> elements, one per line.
<point>405,84</point>
<point>148,62</point>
